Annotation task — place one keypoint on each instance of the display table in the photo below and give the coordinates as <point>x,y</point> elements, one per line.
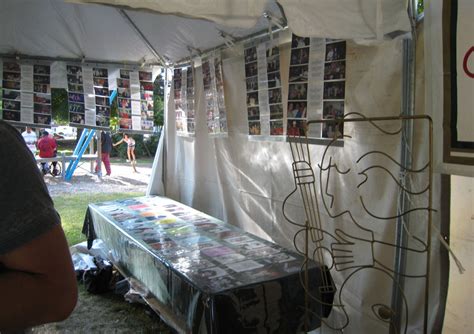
<point>206,275</point>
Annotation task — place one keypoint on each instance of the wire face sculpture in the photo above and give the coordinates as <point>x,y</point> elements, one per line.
<point>368,221</point>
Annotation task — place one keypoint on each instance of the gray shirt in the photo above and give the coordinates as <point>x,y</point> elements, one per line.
<point>26,209</point>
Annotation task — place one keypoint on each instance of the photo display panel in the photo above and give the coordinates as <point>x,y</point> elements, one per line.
<point>76,101</point>
<point>26,93</point>
<point>316,86</point>
<point>334,87</point>
<point>263,84</point>
<point>213,84</point>
<point>135,100</point>
<point>101,92</point>
<point>183,89</point>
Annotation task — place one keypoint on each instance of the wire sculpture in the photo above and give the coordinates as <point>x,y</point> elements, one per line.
<point>351,241</point>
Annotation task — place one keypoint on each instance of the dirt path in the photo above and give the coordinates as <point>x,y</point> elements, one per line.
<point>123,179</point>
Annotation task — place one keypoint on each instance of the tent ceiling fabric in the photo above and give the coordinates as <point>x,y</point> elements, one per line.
<point>59,29</point>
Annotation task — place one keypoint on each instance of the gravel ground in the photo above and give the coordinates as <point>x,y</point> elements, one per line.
<point>122,179</point>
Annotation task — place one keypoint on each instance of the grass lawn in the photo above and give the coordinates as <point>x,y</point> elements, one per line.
<point>72,209</point>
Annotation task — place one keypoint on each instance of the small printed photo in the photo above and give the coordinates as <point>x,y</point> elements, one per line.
<point>273,64</point>
<point>123,92</point>
<point>179,125</point>
<point>250,54</point>
<point>336,51</point>
<point>100,72</point>
<point>101,82</point>
<point>333,109</point>
<point>146,96</point>
<point>41,69</point>
<point>42,108</point>
<point>253,114</point>
<point>74,79</point>
<point>282,257</point>
<point>12,85</point>
<point>11,76</point>
<point>125,123</point>
<point>252,99</point>
<point>75,88</point>
<point>252,84</point>
<point>76,118</point>
<point>334,130</point>
<point>206,74</point>
<point>297,92</point>
<point>177,84</point>
<point>276,128</point>
<point>11,94</point>
<point>75,97</point>
<point>251,69</point>
<point>299,56</point>
<point>102,111</point>
<point>41,79</point>
<point>299,42</point>
<point>42,119</point>
<point>101,91</point>
<point>274,95</point>
<point>334,90</point>
<point>123,83</point>
<point>42,98</point>
<point>177,73</point>
<point>102,121</point>
<point>147,125</point>
<point>102,101</point>
<point>42,88</point>
<point>144,76</point>
<point>297,109</point>
<point>125,74</point>
<point>125,113</point>
<point>74,70</point>
<point>191,127</point>
<point>143,106</point>
<point>9,115</point>
<point>76,108</point>
<point>177,94</point>
<point>254,128</point>
<point>11,105</point>
<point>146,85</point>
<point>178,105</point>
<point>189,78</point>
<point>296,128</point>
<point>335,70</point>
<point>276,111</point>
<point>273,51</point>
<point>124,103</point>
<point>274,80</point>
<point>149,105</point>
<point>11,67</point>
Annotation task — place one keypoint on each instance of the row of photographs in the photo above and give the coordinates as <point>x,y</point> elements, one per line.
<point>125,93</point>
<point>73,88</point>
<point>79,98</point>
<point>17,77</point>
<point>14,95</point>
<point>37,69</point>
<point>127,104</point>
<point>250,54</point>
<point>78,80</point>
<point>332,71</point>
<point>37,88</point>
<point>16,106</point>
<point>144,86</point>
<point>127,113</point>
<point>273,81</point>
<point>80,109</point>
<point>276,112</point>
<point>15,116</point>
<point>127,124</point>
<point>142,75</point>
<point>80,119</point>
<point>273,65</point>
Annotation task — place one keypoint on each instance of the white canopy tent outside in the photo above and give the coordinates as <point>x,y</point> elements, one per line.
<point>240,191</point>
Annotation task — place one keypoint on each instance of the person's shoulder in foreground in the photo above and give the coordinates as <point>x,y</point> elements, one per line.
<point>36,275</point>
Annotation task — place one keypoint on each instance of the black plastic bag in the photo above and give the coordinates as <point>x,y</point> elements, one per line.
<point>98,280</point>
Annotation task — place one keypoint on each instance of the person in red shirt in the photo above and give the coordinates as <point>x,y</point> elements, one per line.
<point>47,147</point>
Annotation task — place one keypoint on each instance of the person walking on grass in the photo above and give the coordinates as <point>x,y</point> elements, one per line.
<point>130,149</point>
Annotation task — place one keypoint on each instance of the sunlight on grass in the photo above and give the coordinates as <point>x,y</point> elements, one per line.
<point>72,209</point>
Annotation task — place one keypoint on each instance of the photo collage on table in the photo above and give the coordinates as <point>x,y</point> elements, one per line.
<point>102,102</point>
<point>251,81</point>
<point>213,84</point>
<point>183,89</point>
<point>298,86</point>
<point>274,92</point>
<point>76,103</point>
<point>212,254</point>
<point>26,94</point>
<point>334,87</point>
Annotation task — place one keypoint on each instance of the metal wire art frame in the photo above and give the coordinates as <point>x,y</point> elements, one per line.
<point>338,244</point>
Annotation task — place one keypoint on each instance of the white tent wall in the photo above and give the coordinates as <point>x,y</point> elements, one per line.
<point>244,181</point>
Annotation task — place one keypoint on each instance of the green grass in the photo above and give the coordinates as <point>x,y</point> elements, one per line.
<point>72,209</point>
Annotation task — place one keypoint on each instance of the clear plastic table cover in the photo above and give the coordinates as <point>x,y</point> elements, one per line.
<point>209,274</point>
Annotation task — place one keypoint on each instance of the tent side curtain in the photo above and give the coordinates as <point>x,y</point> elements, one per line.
<point>347,19</point>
